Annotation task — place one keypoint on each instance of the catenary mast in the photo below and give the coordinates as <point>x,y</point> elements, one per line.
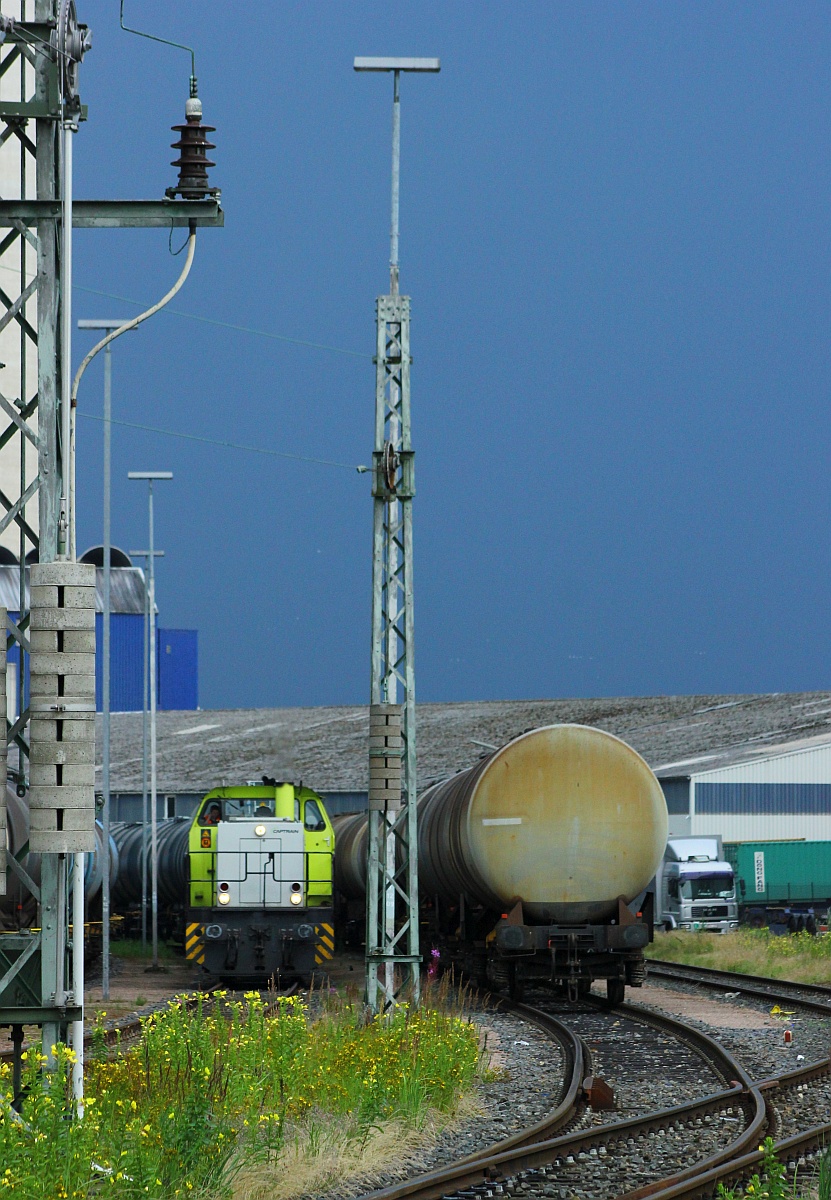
<point>392,945</point>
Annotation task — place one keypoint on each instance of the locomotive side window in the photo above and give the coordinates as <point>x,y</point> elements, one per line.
<point>313,818</point>
<point>211,815</point>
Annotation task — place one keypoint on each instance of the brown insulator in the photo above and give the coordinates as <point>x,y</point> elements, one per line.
<point>193,161</point>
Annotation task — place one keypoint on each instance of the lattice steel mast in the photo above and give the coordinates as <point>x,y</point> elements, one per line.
<point>392,943</point>
<point>51,725</point>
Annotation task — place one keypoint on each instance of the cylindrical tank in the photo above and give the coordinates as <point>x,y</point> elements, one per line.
<point>172,842</point>
<point>350,854</point>
<point>18,908</point>
<point>566,819</point>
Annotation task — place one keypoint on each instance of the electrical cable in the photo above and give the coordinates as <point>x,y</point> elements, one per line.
<point>277,337</point>
<point>105,341</point>
<point>178,312</point>
<point>193,437</point>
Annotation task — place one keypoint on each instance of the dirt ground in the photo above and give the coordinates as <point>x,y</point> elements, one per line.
<point>711,1010</point>
<point>133,987</point>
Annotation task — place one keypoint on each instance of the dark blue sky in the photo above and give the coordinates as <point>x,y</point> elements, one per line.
<point>615,233</point>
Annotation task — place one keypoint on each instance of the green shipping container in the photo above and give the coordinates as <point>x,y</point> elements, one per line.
<point>781,872</point>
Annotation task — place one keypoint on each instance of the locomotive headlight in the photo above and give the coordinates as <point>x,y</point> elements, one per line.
<point>296,896</point>
<point>259,830</point>
<point>224,898</point>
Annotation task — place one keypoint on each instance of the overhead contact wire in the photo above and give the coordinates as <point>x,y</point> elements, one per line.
<point>193,437</point>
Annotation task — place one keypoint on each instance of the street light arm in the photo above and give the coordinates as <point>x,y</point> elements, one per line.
<point>105,341</point>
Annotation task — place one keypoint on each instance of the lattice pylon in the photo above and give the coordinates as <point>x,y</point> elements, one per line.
<point>392,947</point>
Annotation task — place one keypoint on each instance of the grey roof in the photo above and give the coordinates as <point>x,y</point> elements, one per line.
<point>327,747</point>
<point>126,589</point>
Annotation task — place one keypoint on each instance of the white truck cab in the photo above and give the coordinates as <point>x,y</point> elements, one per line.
<point>695,887</point>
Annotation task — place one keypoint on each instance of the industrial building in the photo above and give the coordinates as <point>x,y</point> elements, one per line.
<point>748,767</point>
<point>779,794</point>
<point>177,650</point>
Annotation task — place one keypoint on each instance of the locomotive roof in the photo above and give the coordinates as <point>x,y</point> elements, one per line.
<point>327,747</point>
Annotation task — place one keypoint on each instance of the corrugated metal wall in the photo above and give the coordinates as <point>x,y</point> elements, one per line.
<point>177,675</point>
<point>677,795</point>
<point>178,668</point>
<point>808,765</point>
<point>126,662</point>
<point>783,797</point>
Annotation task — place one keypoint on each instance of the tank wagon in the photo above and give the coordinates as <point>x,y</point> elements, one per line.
<point>246,883</point>
<point>18,908</point>
<point>534,864</point>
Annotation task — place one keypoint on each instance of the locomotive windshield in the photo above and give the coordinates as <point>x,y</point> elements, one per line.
<point>234,809</point>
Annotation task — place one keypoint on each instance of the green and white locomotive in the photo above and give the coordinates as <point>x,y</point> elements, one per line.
<point>246,884</point>
<point>260,882</point>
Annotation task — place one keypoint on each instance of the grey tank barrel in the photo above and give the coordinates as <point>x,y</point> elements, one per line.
<point>18,908</point>
<point>172,837</point>
<point>566,818</point>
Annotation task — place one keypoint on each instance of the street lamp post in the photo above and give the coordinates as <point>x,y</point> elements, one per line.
<point>150,476</point>
<point>105,665</point>
<point>145,701</point>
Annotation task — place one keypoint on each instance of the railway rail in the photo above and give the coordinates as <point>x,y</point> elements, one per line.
<point>812,996</point>
<point>604,1160</point>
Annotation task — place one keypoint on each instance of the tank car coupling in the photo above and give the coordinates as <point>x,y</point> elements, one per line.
<point>193,161</point>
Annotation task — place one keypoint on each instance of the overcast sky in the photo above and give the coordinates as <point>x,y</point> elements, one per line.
<point>615,232</point>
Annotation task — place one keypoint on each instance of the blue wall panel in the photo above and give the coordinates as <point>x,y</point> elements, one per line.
<point>126,661</point>
<point>773,798</point>
<point>178,668</point>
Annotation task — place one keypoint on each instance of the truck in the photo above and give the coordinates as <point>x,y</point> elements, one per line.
<point>695,886</point>
<point>785,885</point>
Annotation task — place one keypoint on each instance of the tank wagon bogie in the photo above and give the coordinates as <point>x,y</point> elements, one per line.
<point>534,864</point>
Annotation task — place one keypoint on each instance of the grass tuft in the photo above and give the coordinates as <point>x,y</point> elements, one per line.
<point>799,957</point>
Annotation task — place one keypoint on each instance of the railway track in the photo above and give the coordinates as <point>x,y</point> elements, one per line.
<point>811,996</point>
<point>713,1138</point>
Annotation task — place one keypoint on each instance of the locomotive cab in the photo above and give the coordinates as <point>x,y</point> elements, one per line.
<point>260,882</point>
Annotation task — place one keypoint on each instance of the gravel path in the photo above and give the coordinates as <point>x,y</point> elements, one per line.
<point>525,1083</point>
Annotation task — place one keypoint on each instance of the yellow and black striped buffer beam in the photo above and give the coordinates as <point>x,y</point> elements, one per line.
<point>195,943</point>
<point>325,943</point>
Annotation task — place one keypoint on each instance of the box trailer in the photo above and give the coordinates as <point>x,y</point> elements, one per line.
<point>785,884</point>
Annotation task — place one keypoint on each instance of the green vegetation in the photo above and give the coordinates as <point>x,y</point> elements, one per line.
<point>795,956</point>
<point>773,1184</point>
<point>211,1096</point>
<point>132,948</point>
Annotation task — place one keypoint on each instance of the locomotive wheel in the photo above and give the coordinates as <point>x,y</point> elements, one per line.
<point>615,991</point>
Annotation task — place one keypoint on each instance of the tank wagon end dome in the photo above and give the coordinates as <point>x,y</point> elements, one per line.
<point>565,818</point>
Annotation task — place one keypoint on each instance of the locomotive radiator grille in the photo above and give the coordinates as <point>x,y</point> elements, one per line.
<point>325,947</point>
<point>195,943</point>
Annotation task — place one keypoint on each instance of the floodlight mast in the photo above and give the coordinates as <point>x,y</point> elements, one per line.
<point>393,958</point>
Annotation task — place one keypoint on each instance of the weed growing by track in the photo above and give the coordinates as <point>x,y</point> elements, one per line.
<point>794,956</point>
<point>208,1095</point>
<point>772,1182</point>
